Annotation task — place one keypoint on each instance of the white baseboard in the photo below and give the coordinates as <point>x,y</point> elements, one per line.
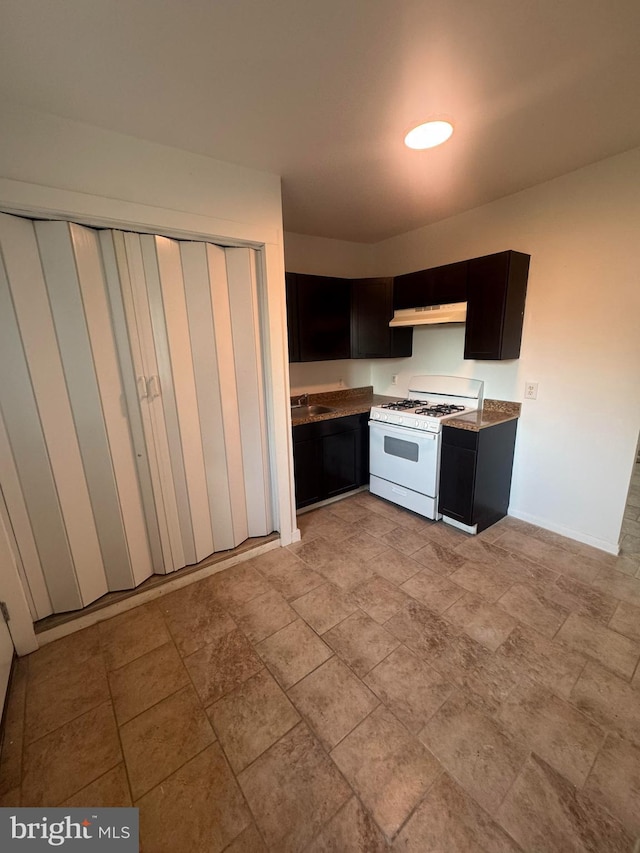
<point>602,544</point>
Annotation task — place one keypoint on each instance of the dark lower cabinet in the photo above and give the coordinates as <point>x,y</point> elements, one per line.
<point>330,457</point>
<point>475,473</point>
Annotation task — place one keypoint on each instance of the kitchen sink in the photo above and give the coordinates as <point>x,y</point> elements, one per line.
<point>298,412</point>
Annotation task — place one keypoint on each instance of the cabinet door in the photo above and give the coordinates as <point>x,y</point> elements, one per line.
<point>497,287</point>
<point>292,316</point>
<point>371,310</point>
<point>307,466</point>
<point>435,286</point>
<point>341,462</point>
<point>324,317</point>
<point>449,283</point>
<point>458,474</point>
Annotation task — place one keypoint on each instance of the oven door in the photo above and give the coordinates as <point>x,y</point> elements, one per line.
<point>404,456</point>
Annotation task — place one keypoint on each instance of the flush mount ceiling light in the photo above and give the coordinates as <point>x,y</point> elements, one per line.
<point>428,135</point>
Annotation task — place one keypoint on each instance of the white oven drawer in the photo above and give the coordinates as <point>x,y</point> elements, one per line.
<point>422,504</point>
<point>407,457</point>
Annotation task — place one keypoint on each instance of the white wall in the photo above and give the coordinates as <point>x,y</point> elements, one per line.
<point>581,339</point>
<point>64,169</point>
<point>321,256</point>
<point>339,258</point>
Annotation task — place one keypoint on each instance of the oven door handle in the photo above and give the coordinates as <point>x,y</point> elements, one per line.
<point>403,432</point>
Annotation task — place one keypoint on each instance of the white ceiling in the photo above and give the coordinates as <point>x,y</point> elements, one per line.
<point>322,93</point>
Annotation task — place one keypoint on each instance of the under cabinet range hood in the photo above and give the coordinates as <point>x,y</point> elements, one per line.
<point>453,312</point>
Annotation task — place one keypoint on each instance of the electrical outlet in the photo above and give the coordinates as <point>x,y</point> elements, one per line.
<point>394,379</point>
<point>531,390</point>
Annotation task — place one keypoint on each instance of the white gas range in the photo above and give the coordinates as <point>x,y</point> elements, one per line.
<point>405,438</point>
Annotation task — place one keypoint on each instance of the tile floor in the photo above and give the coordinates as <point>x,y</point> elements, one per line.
<point>387,683</point>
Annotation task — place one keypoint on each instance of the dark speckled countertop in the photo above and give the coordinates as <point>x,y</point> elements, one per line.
<point>345,401</point>
<point>355,401</point>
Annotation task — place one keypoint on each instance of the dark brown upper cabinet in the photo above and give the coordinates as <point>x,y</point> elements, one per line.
<point>371,311</point>
<point>497,287</point>
<point>436,286</point>
<point>318,317</point>
<point>335,318</point>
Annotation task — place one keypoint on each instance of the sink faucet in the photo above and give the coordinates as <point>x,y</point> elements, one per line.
<point>303,400</point>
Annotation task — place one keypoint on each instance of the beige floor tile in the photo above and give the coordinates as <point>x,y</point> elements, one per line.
<point>409,687</point>
<point>76,692</point>
<point>379,598</point>
<point>363,545</point>
<point>323,522</point>
<point>333,701</point>
<point>293,652</point>
<point>526,652</point>
<point>582,599</point>
<point>515,567</point>
<point>619,585</point>
<point>612,650</point>
<point>288,574</point>
<point>213,820</point>
<point>474,748</point>
<point>132,634</point>
<point>420,629</point>
<point>608,699</point>
<point>404,540</point>
<point>195,617</point>
<point>483,622</point>
<point>237,585</point>
<point>626,620</point>
<point>543,811</point>
<point>334,562</point>
<point>548,555</point>
<point>482,579</point>
<point>360,642</point>
<point>458,659</point>
<point>346,571</point>
<point>13,731</point>
<point>352,830</point>
<point>444,534</point>
<point>614,781</point>
<point>449,821</point>
<point>68,759</point>
<point>553,729</point>
<point>377,525</point>
<point>108,792</point>
<point>434,591</point>
<point>249,841</point>
<point>64,654</point>
<point>292,790</point>
<point>324,607</point>
<point>161,739</point>
<point>146,680</point>
<point>388,768</point>
<point>438,558</point>
<point>395,567</point>
<point>528,605</point>
<point>11,798</point>
<point>348,510</point>
<point>219,667</point>
<point>264,615</point>
<point>251,718</point>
